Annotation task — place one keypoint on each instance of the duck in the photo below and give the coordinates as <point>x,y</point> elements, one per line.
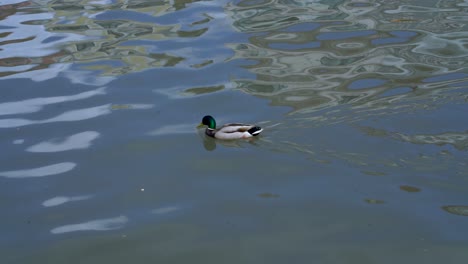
<point>229,131</point>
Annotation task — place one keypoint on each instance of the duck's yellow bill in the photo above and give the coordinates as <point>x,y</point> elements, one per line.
<point>200,125</point>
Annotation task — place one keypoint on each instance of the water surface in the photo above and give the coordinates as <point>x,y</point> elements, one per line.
<point>363,158</point>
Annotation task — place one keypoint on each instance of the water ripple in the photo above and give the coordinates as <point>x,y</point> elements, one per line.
<point>348,53</point>
<point>94,225</point>
<point>58,200</point>
<point>72,115</point>
<point>46,38</point>
<point>77,141</point>
<point>448,45</point>
<point>165,210</point>
<point>461,210</point>
<point>49,170</point>
<point>419,9</point>
<point>36,104</point>
<point>173,129</point>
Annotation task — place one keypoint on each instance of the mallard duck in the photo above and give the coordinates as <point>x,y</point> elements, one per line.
<point>229,131</point>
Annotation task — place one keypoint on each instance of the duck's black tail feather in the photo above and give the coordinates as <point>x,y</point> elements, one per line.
<point>255,130</point>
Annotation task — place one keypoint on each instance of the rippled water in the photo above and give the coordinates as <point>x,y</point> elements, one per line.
<point>363,158</point>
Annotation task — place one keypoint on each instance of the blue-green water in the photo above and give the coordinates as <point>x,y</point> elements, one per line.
<point>363,158</point>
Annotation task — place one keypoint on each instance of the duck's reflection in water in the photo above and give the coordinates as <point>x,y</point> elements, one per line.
<point>210,143</point>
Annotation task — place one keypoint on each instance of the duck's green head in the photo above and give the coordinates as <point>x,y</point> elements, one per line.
<point>208,121</point>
